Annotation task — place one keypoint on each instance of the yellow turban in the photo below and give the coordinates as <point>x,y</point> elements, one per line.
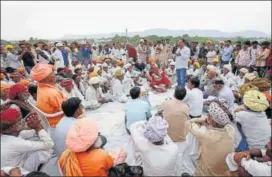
<point>21,69</point>
<point>255,100</point>
<point>2,76</point>
<point>250,76</point>
<point>215,60</point>
<point>208,42</point>
<point>8,47</point>
<point>263,84</point>
<point>197,64</point>
<point>246,87</point>
<point>118,72</point>
<point>25,82</point>
<point>4,86</point>
<point>93,74</point>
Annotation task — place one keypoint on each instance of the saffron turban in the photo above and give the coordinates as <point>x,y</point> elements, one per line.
<point>93,74</point>
<point>41,71</point>
<point>9,115</point>
<point>218,110</point>
<point>82,135</point>
<point>2,76</point>
<point>25,82</point>
<point>21,69</point>
<point>94,80</point>
<point>156,129</point>
<point>4,86</point>
<point>16,89</point>
<point>208,42</point>
<point>66,82</point>
<point>197,64</point>
<point>152,60</point>
<point>255,100</point>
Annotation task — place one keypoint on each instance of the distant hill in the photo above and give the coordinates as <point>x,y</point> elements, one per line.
<point>168,32</point>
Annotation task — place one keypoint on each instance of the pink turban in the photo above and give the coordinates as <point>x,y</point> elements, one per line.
<point>82,135</point>
<point>156,129</point>
<point>41,71</point>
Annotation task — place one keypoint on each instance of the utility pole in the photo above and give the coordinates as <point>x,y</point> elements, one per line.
<point>127,34</point>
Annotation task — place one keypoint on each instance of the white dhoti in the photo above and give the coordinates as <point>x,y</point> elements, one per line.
<point>35,159</point>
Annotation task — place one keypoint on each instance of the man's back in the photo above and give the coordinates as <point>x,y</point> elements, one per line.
<point>227,94</point>
<point>60,133</point>
<point>176,113</point>
<point>137,110</point>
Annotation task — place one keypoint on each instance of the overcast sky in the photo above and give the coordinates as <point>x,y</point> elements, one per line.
<point>21,20</point>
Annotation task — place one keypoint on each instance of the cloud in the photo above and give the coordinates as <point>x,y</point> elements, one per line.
<point>53,19</point>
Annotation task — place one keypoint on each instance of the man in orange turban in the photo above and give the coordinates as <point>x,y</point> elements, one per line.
<point>25,82</point>
<point>15,77</point>
<point>49,97</point>
<point>4,92</point>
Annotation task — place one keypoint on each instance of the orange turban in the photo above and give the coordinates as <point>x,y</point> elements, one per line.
<point>25,82</point>
<point>4,86</point>
<point>2,76</point>
<point>93,74</point>
<point>41,71</point>
<point>151,60</point>
<point>120,62</point>
<point>21,69</point>
<point>208,42</point>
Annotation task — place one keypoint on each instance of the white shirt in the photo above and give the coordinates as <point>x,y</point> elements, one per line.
<point>182,61</point>
<point>194,98</point>
<point>255,126</point>
<point>14,150</point>
<point>256,168</point>
<point>229,80</point>
<point>227,94</point>
<point>118,91</point>
<point>12,60</point>
<point>57,55</point>
<point>156,160</point>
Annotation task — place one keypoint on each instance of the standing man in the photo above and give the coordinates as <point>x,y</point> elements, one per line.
<point>182,56</point>
<point>12,60</point>
<point>58,57</point>
<point>246,57</point>
<point>226,53</point>
<point>27,57</point>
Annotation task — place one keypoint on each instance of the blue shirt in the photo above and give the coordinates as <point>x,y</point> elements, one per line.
<point>60,133</point>
<point>227,52</point>
<point>65,57</point>
<point>137,110</point>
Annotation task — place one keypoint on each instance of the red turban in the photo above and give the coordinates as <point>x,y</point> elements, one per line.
<point>41,71</point>
<point>9,115</point>
<point>67,70</point>
<point>15,89</point>
<point>66,82</point>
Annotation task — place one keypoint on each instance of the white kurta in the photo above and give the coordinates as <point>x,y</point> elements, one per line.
<point>59,61</point>
<point>229,80</point>
<point>128,83</point>
<point>118,91</point>
<point>256,168</point>
<point>24,153</point>
<point>172,75</point>
<point>156,160</point>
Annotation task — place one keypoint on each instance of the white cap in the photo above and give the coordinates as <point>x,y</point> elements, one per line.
<point>170,60</point>
<point>94,80</point>
<point>172,63</point>
<point>233,166</point>
<point>105,65</point>
<point>209,67</point>
<point>127,65</point>
<point>59,44</point>
<point>243,70</point>
<point>141,40</point>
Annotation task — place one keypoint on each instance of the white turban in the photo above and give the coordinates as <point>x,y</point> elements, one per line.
<point>227,67</point>
<point>127,65</point>
<point>156,129</point>
<point>105,65</point>
<point>243,70</point>
<point>209,67</point>
<point>59,44</point>
<point>172,63</point>
<point>94,80</point>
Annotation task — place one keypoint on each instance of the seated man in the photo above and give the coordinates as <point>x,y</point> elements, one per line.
<point>240,79</point>
<point>153,149</point>
<point>228,77</point>
<point>128,80</point>
<point>216,140</point>
<point>136,109</point>
<point>70,91</point>
<point>72,109</point>
<point>209,89</point>
<point>171,72</point>
<point>16,149</point>
<point>84,156</point>
<point>194,98</point>
<point>4,93</point>
<point>118,87</point>
<point>158,80</point>
<point>255,104</point>
<point>15,77</point>
<point>255,162</point>
<point>94,93</point>
<point>223,91</point>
